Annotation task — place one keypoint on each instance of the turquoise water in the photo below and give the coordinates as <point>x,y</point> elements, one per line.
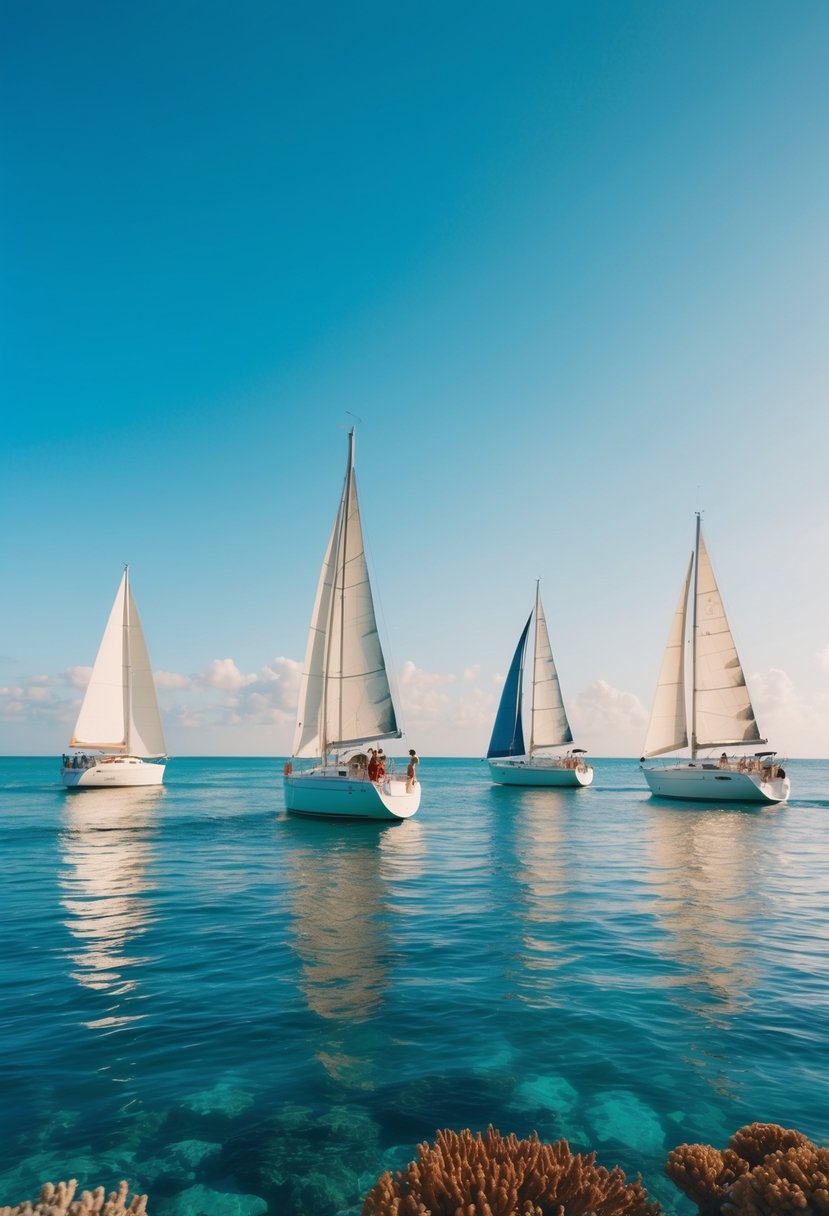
<point>242,1012</point>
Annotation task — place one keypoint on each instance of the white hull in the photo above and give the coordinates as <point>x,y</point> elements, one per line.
<point>539,772</point>
<point>702,781</point>
<point>331,792</point>
<point>109,772</point>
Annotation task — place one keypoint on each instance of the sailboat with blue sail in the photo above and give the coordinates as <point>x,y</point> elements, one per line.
<point>511,762</point>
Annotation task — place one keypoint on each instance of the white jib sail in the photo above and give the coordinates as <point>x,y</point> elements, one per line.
<point>102,722</point>
<point>723,707</point>
<point>667,729</point>
<point>307,734</point>
<point>549,727</point>
<point>119,710</point>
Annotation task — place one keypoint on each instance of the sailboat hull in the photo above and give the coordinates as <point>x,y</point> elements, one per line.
<point>332,793</point>
<point>114,771</point>
<point>702,782</point>
<point>538,773</point>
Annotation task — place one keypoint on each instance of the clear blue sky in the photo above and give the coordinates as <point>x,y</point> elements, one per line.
<point>566,261</point>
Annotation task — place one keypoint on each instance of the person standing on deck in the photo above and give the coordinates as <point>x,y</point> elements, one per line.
<point>411,771</point>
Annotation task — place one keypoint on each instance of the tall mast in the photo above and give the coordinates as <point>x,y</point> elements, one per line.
<point>339,543</point>
<point>535,671</point>
<point>127,664</point>
<point>347,507</point>
<point>694,648</point>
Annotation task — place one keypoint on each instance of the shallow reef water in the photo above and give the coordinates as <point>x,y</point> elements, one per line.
<point>245,1013</point>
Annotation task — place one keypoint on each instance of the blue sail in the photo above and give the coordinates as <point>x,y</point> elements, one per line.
<point>508,734</point>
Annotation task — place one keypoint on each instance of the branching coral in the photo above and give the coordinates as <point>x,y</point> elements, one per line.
<point>765,1171</point>
<point>60,1201</point>
<point>495,1175</point>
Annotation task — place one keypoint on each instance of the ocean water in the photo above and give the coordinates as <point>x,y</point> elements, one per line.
<point>242,1012</point>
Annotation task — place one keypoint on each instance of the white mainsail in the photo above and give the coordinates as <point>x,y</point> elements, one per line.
<point>345,698</point>
<point>723,713</point>
<point>667,729</point>
<point>120,711</point>
<point>549,727</point>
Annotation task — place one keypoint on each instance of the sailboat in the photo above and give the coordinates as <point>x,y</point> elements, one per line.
<point>509,761</point>
<point>720,714</point>
<point>118,739</point>
<point>345,701</point>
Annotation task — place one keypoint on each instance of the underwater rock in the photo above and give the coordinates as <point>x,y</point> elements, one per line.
<point>325,1190</point>
<point>350,1124</point>
<point>227,1097</point>
<point>415,1108</point>
<point>178,1164</point>
<point>551,1093</point>
<point>302,1161</point>
<point>620,1115</point>
<point>200,1200</point>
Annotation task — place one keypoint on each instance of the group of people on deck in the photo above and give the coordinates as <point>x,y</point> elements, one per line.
<point>377,766</point>
<point>79,761</point>
<point>764,766</point>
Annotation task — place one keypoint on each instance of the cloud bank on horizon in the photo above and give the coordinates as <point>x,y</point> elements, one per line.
<point>225,711</point>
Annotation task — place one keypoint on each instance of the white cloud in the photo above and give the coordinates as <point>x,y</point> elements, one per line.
<point>223,673</point>
<point>476,711</point>
<point>792,722</point>
<point>77,677</point>
<point>35,701</point>
<point>416,676</point>
<point>282,678</point>
<point>471,673</point>
<point>823,657</point>
<point>171,679</point>
<point>608,721</point>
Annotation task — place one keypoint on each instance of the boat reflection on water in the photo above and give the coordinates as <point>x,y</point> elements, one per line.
<point>342,882</point>
<point>543,878</point>
<point>705,867</point>
<point>107,844</point>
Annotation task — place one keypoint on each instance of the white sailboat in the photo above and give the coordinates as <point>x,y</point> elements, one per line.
<point>509,761</point>
<point>118,740</point>
<point>345,700</point>
<point>720,714</point>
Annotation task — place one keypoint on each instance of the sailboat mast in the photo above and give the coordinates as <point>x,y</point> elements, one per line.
<point>346,510</point>
<point>535,671</point>
<point>694,647</point>
<point>338,544</point>
<point>127,659</point>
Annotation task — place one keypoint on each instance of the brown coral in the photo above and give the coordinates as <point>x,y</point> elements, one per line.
<point>765,1171</point>
<point>495,1175</point>
<point>60,1201</point>
<point>759,1140</point>
<point>794,1180</point>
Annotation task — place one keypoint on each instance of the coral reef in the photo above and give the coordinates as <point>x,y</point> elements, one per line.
<point>60,1201</point>
<point>495,1175</point>
<point>766,1170</point>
